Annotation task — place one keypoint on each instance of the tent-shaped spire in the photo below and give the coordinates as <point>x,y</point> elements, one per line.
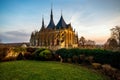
<point>61,23</point>
<point>51,24</point>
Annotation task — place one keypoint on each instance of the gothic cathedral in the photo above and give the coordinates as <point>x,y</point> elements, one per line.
<point>54,36</point>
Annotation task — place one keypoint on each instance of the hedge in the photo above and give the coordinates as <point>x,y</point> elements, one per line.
<point>100,56</point>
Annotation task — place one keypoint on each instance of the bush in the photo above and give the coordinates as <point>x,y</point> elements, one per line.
<point>69,60</point>
<point>19,49</point>
<point>99,55</point>
<point>20,56</point>
<point>36,53</point>
<point>31,50</point>
<point>28,55</point>
<point>75,58</point>
<point>42,54</point>
<point>96,65</point>
<point>3,53</point>
<point>117,76</point>
<point>74,51</point>
<point>56,57</point>
<point>82,58</point>
<point>46,54</point>
<point>63,53</point>
<point>89,59</point>
<point>110,71</point>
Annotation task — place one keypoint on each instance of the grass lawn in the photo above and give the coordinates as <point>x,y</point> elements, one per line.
<point>43,70</point>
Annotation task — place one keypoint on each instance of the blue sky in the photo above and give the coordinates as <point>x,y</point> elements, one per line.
<point>92,19</point>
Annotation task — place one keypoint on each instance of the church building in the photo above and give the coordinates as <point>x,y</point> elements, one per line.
<point>54,36</point>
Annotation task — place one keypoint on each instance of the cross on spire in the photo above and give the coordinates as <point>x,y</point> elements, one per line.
<point>61,12</point>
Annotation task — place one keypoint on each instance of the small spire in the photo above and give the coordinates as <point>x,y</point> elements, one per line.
<point>51,11</point>
<point>51,5</point>
<point>42,21</point>
<point>43,26</point>
<point>61,12</point>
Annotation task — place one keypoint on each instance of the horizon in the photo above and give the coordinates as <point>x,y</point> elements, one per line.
<point>91,19</point>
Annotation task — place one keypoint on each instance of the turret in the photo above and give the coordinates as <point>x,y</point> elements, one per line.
<point>43,26</point>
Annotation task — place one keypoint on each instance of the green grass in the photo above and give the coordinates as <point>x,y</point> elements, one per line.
<point>39,70</point>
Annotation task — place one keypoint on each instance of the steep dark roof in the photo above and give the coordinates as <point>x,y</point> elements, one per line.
<point>51,24</point>
<point>61,23</point>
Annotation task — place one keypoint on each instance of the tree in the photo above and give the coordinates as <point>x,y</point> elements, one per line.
<point>115,34</point>
<point>82,41</point>
<point>112,43</point>
<point>90,43</point>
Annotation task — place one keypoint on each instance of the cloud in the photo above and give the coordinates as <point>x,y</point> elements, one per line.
<point>94,27</point>
<point>15,36</point>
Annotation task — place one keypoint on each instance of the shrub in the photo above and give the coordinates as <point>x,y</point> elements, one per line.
<point>62,52</point>
<point>113,72</point>
<point>110,71</point>
<point>56,57</point>
<point>46,54</point>
<point>117,76</point>
<point>82,58</point>
<point>31,50</point>
<point>96,65</point>
<point>75,59</point>
<point>3,53</point>
<point>69,60</point>
<point>74,51</point>
<point>28,55</point>
<point>106,68</point>
<point>19,49</point>
<point>90,59</point>
<point>99,56</point>
<point>36,53</point>
<point>115,59</point>
<point>42,54</point>
<point>20,56</point>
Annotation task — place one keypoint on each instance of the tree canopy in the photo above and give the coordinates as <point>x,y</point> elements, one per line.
<point>115,34</point>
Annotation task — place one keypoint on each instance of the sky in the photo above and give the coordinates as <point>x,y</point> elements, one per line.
<point>92,19</point>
